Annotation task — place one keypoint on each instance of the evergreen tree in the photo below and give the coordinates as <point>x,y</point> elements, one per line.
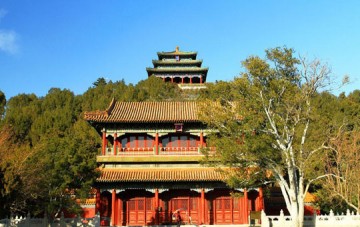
<point>48,152</point>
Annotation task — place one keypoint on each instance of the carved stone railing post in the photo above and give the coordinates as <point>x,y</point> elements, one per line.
<point>264,219</point>
<point>282,218</point>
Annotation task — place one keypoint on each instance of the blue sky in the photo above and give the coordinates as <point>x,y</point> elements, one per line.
<point>69,44</point>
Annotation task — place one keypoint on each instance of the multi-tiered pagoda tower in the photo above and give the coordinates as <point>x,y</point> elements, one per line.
<point>179,67</point>
<point>150,160</point>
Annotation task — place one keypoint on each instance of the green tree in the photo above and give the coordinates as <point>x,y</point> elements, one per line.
<point>99,97</point>
<point>48,151</point>
<point>48,154</point>
<point>65,166</point>
<point>154,89</point>
<point>21,111</point>
<point>100,82</point>
<point>343,160</point>
<point>2,104</point>
<point>265,124</point>
<point>350,108</point>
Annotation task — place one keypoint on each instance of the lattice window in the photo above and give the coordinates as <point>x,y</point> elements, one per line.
<point>141,204</point>
<point>236,203</point>
<point>193,203</point>
<point>132,205</point>
<point>227,204</point>
<point>218,204</point>
<point>149,204</point>
<point>180,204</point>
<point>184,204</point>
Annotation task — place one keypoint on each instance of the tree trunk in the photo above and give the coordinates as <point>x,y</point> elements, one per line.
<point>300,199</point>
<point>296,199</point>
<point>294,213</point>
<point>301,210</point>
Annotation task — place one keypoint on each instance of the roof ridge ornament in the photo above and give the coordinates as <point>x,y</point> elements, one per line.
<point>177,49</point>
<point>111,106</point>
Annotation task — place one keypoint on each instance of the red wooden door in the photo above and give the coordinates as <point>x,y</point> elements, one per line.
<point>194,210</point>
<point>140,212</point>
<point>136,211</point>
<point>150,211</point>
<point>181,205</point>
<point>223,211</point>
<point>188,208</point>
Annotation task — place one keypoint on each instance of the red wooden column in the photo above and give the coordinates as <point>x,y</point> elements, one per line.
<point>156,206</point>
<point>113,198</point>
<point>97,201</point>
<point>261,199</point>
<point>201,80</point>
<point>182,80</point>
<point>119,212</point>
<point>201,139</point>
<point>202,206</point>
<point>246,205</point>
<point>163,79</point>
<point>103,142</point>
<point>115,143</point>
<point>172,79</point>
<point>232,209</point>
<point>156,143</point>
<point>191,80</point>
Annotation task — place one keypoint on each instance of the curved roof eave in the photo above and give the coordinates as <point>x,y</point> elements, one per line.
<point>175,53</point>
<point>146,112</point>
<point>177,69</point>
<point>192,62</point>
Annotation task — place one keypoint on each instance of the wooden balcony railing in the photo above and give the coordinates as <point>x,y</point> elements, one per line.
<point>149,151</point>
<point>179,151</point>
<point>125,151</point>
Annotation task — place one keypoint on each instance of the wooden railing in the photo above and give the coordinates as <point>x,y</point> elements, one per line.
<point>180,151</point>
<point>125,151</point>
<point>128,151</point>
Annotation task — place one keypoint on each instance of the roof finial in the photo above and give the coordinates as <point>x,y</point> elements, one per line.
<point>177,49</point>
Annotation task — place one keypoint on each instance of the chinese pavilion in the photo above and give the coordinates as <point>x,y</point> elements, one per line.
<point>150,164</point>
<point>179,67</point>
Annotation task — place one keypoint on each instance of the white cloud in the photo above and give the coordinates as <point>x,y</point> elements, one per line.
<point>8,41</point>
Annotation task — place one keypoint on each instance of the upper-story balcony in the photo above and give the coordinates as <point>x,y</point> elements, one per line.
<point>143,147</point>
<point>151,154</point>
<point>150,151</point>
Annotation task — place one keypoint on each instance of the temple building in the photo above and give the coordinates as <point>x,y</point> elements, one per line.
<point>179,67</point>
<point>150,160</point>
